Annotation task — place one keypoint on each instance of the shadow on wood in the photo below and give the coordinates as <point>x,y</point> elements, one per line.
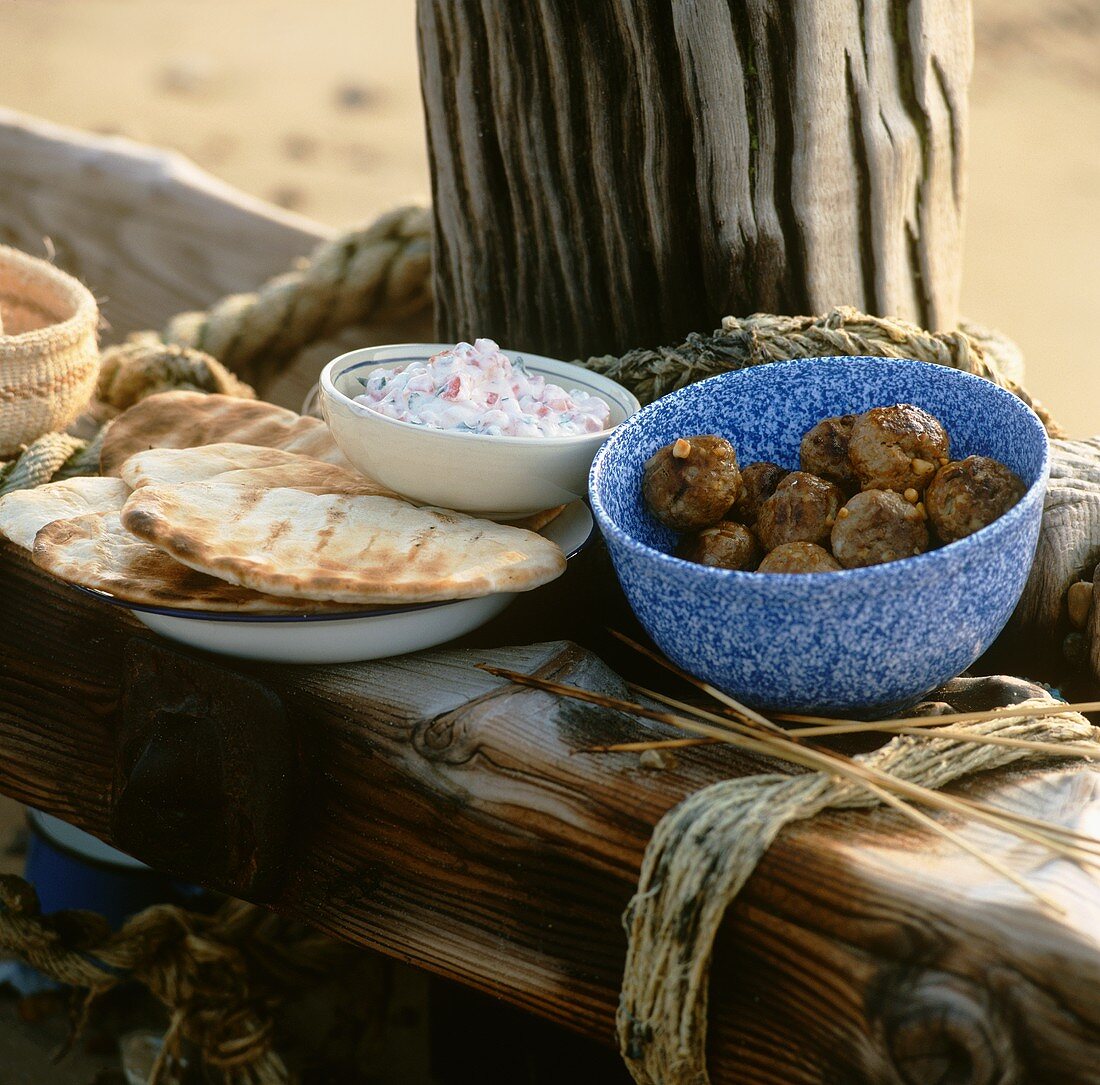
<point>206,774</point>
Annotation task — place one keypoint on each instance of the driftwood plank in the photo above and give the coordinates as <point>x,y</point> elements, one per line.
<point>454,823</point>
<point>147,230</point>
<point>1068,553</point>
<point>1094,628</point>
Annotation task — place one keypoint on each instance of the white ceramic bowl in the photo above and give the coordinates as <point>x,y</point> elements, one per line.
<point>498,477</point>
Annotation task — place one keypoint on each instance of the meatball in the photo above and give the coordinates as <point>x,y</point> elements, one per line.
<point>802,509</point>
<point>727,545</point>
<point>824,451</point>
<point>799,557</point>
<point>897,448</point>
<point>758,483</point>
<point>877,526</point>
<point>692,482</point>
<point>969,494</point>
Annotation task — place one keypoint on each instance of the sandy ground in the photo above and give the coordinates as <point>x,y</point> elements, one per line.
<point>316,106</point>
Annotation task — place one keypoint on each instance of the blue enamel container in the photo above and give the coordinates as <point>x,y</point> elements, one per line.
<point>861,640</point>
<point>71,869</point>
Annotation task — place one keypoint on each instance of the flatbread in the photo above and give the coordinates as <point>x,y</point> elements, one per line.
<point>165,466</point>
<point>244,465</point>
<point>271,467</point>
<point>24,512</point>
<point>538,520</point>
<point>191,419</point>
<point>352,549</point>
<point>96,551</point>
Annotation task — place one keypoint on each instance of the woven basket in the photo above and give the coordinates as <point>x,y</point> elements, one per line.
<point>49,356</point>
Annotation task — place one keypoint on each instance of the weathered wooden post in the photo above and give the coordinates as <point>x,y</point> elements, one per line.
<point>617,174</point>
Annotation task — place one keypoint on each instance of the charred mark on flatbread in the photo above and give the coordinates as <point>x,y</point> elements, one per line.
<point>278,529</point>
<point>333,518</point>
<point>246,500</point>
<point>140,521</point>
<point>178,543</point>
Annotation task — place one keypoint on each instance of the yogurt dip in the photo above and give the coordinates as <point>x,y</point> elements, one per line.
<point>475,388</point>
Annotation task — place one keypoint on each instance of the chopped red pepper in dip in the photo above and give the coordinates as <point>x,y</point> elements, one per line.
<point>476,388</point>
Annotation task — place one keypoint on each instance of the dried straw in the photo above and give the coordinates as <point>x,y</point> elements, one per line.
<point>703,851</point>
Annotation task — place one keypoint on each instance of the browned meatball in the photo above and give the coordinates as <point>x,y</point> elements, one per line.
<point>692,482</point>
<point>970,494</point>
<point>799,557</point>
<point>877,526</point>
<point>758,483</point>
<point>897,448</point>
<point>824,451</point>
<point>802,509</point>
<point>727,545</point>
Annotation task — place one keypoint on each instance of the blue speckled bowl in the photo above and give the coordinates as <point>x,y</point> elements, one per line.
<point>861,640</point>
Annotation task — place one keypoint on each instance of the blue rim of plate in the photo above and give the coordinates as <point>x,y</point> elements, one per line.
<point>285,619</point>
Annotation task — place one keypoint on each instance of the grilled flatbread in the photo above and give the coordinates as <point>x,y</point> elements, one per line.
<point>165,466</point>
<point>538,520</point>
<point>96,551</point>
<point>190,419</point>
<point>346,548</point>
<point>243,464</point>
<point>24,512</point>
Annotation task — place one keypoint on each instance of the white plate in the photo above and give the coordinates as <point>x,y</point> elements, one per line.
<point>346,638</point>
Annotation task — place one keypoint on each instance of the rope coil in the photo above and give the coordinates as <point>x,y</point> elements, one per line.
<point>220,976</point>
<point>763,337</point>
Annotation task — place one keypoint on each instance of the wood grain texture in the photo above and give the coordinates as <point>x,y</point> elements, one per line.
<point>1093,632</point>
<point>146,230</point>
<point>1069,545</point>
<point>453,822</point>
<point>205,771</point>
<point>608,176</point>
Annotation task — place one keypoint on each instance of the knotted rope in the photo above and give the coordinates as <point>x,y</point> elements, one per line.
<point>382,271</point>
<point>703,851</point>
<point>144,366</point>
<point>220,976</point>
<point>762,337</point>
<point>51,456</point>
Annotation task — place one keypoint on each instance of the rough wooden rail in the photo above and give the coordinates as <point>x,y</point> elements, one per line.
<point>153,235</point>
<point>149,231</point>
<point>419,807</point>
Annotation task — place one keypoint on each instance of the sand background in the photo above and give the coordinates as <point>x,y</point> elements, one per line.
<point>315,104</point>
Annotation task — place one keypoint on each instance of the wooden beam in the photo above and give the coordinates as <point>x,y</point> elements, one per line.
<point>149,232</point>
<point>455,822</point>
